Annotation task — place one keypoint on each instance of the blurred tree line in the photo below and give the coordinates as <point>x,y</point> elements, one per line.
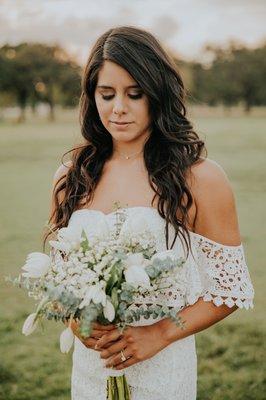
<point>37,73</point>
<point>236,75</point>
<point>33,73</point>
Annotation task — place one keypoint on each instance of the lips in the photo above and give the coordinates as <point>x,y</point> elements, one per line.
<point>121,123</point>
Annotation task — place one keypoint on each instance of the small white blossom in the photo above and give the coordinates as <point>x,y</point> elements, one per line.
<point>109,311</point>
<point>66,340</point>
<point>96,294</point>
<point>30,324</point>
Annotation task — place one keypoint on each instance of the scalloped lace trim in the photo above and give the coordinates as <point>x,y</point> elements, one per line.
<point>224,272</point>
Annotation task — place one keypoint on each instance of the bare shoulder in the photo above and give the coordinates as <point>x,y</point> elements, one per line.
<point>216,215</point>
<point>207,170</point>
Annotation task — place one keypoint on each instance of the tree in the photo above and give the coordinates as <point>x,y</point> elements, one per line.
<point>37,72</point>
<point>236,74</point>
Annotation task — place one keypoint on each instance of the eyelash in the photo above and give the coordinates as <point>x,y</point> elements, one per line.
<point>132,96</point>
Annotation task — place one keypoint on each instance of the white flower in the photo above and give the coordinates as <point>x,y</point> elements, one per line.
<point>30,324</point>
<point>87,277</point>
<point>37,265</point>
<point>66,340</point>
<point>109,311</point>
<point>135,270</point>
<point>69,234</point>
<point>58,245</point>
<point>137,275</point>
<point>68,239</point>
<point>134,259</point>
<point>96,294</point>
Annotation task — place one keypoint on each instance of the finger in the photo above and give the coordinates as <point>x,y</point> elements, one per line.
<point>116,359</point>
<point>109,327</point>
<point>110,336</point>
<point>75,328</point>
<point>89,342</point>
<point>125,364</point>
<point>97,334</point>
<point>113,349</point>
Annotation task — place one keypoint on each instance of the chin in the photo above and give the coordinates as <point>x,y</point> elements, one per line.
<point>123,136</point>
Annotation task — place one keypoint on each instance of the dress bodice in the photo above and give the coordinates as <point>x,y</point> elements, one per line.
<point>213,271</point>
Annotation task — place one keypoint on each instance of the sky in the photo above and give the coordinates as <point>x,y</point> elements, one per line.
<point>185,26</point>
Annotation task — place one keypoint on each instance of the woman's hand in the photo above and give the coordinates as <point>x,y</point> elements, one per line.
<point>138,344</point>
<point>97,332</point>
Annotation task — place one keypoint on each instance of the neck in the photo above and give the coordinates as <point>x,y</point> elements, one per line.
<point>122,149</point>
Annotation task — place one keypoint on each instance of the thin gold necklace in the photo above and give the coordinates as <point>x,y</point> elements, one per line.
<point>128,157</point>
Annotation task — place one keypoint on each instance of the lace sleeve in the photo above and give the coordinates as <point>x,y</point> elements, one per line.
<point>224,273</point>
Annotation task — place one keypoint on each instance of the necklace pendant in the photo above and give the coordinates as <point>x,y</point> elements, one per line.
<point>127,157</point>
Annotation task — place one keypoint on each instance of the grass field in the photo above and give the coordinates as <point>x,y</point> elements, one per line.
<point>230,354</point>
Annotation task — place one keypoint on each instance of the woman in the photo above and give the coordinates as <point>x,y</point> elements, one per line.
<point>140,150</point>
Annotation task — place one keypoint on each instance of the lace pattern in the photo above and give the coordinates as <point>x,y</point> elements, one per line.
<point>169,375</point>
<point>224,273</point>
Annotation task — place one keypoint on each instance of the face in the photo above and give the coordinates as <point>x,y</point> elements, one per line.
<point>119,99</point>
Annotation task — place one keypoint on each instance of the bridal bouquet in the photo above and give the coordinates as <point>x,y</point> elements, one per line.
<point>99,277</point>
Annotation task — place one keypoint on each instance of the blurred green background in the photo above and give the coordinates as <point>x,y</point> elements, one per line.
<point>230,354</point>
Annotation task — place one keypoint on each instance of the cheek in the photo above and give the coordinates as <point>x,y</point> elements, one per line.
<point>142,111</point>
<point>103,109</point>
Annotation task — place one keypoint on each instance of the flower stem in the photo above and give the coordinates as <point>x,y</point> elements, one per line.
<point>117,388</point>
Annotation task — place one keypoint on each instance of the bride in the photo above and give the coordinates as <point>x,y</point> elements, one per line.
<point>139,149</point>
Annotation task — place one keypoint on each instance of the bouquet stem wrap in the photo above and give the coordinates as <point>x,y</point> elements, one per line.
<point>117,388</point>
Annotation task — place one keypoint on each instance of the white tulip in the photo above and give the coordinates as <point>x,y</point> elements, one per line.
<point>68,239</point>
<point>37,265</point>
<point>134,259</point>
<point>30,324</point>
<point>58,245</point>
<point>66,340</point>
<point>99,297</point>
<point>137,275</point>
<point>70,234</point>
<point>96,294</point>
<point>109,311</point>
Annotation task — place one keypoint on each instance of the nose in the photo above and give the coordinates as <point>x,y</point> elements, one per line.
<point>119,106</point>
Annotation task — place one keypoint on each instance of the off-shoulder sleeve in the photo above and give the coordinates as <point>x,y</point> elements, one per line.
<point>223,273</point>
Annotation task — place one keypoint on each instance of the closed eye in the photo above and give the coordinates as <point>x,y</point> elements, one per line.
<point>132,96</point>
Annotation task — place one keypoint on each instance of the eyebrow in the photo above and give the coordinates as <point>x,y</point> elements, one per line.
<point>110,87</point>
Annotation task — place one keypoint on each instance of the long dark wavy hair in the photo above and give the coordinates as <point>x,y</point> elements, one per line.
<point>171,149</point>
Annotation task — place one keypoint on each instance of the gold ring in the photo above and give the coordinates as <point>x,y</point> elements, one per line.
<point>123,357</point>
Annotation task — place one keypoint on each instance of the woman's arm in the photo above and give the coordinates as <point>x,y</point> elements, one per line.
<point>196,317</point>
<point>216,219</point>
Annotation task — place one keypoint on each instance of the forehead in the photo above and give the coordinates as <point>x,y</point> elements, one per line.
<point>113,75</point>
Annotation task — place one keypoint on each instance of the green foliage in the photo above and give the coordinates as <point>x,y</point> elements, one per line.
<point>115,278</point>
<point>35,73</point>
<point>235,75</point>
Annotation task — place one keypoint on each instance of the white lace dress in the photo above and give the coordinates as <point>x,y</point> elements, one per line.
<point>213,271</point>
